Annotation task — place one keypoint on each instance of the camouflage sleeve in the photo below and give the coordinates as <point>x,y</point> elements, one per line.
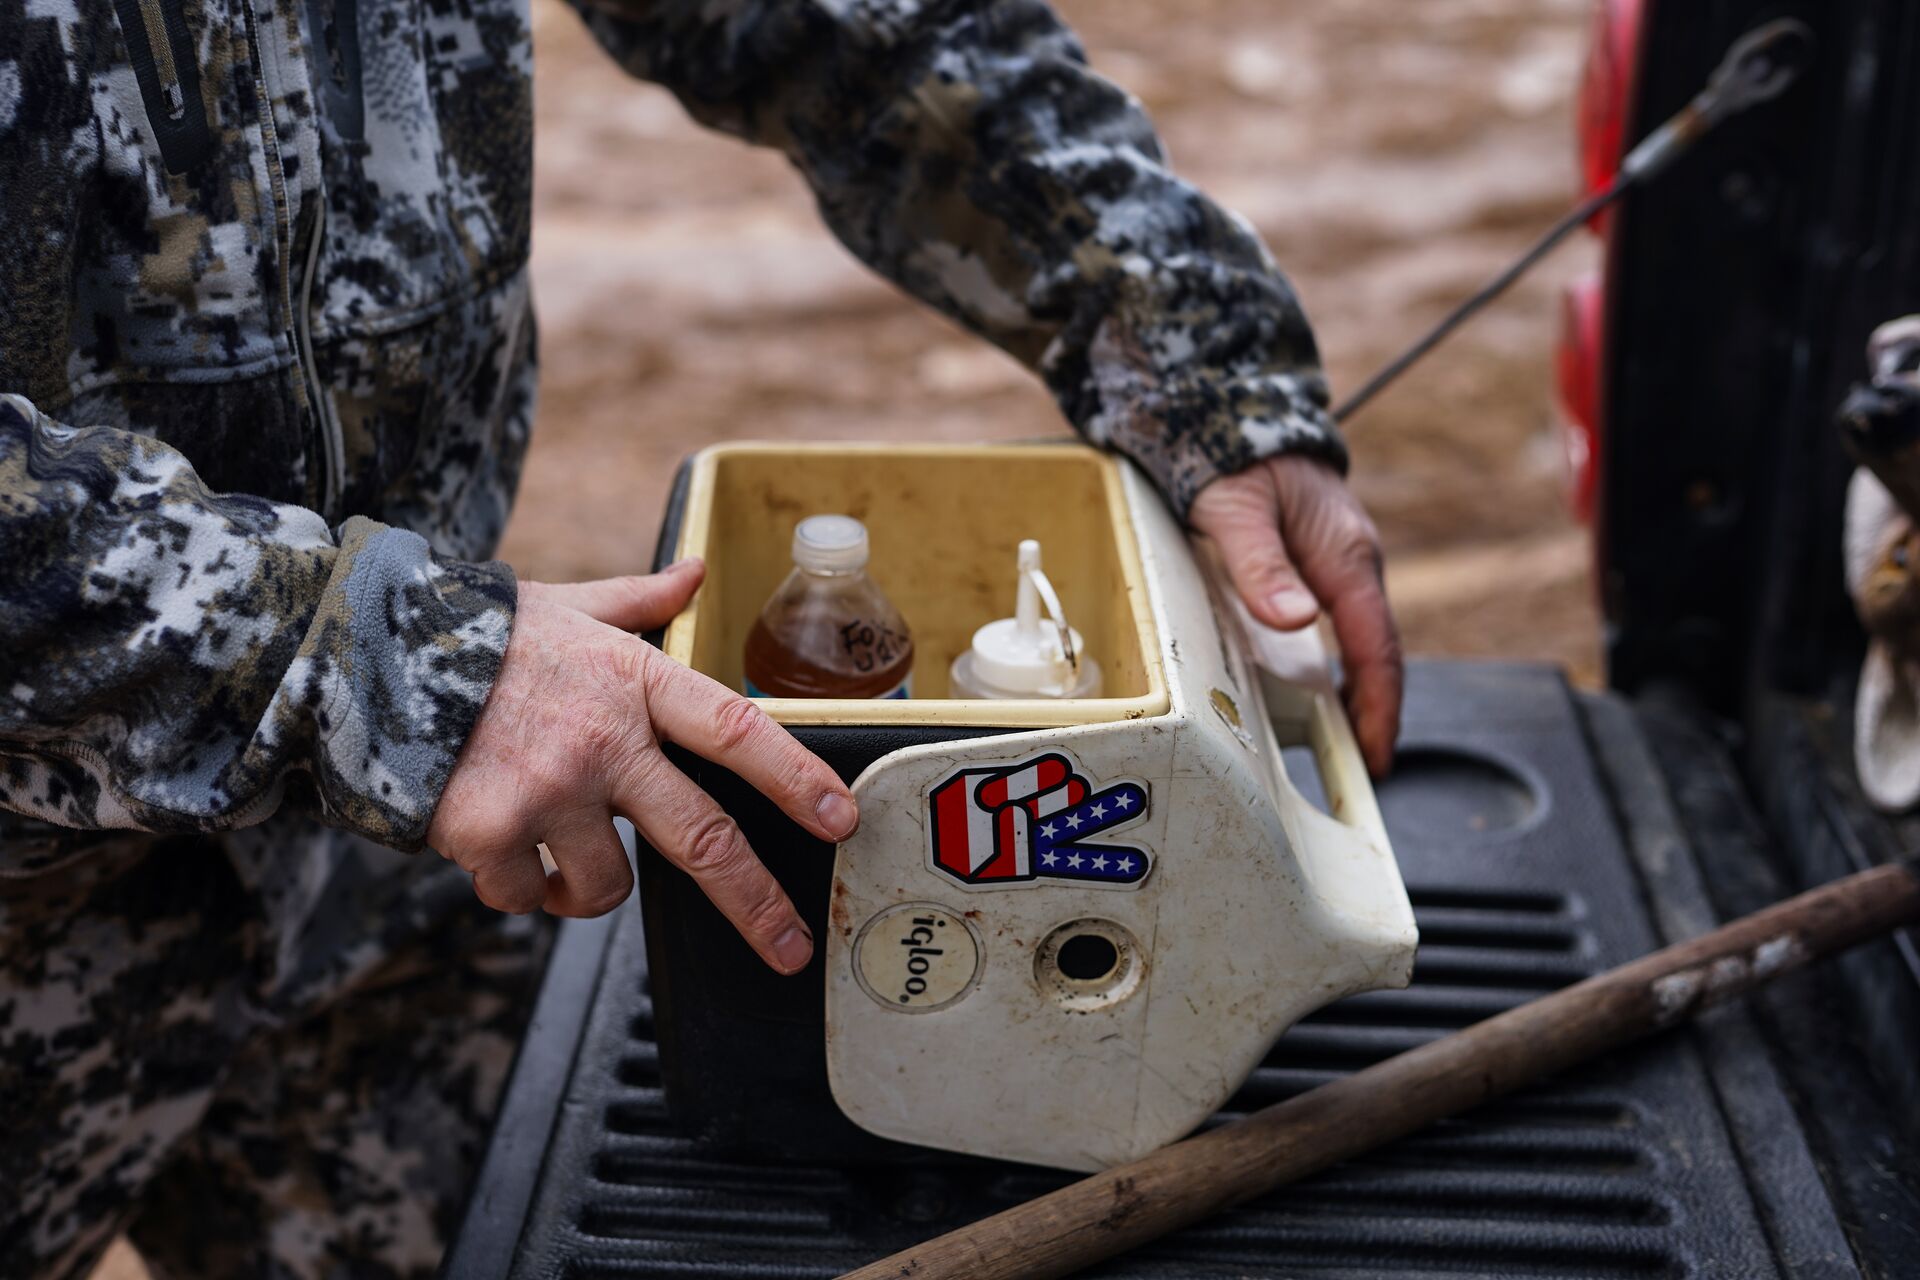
<point>963,149</point>
<point>173,659</point>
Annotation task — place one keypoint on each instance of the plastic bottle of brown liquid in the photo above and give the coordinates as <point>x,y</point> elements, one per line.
<point>829,632</point>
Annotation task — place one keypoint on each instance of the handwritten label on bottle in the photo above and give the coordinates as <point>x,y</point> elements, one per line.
<point>871,644</point>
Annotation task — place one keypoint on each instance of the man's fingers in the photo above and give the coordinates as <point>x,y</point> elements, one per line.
<point>689,829</point>
<point>1375,669</point>
<point>1338,551</point>
<point>511,880</point>
<point>1264,575</point>
<point>1241,513</point>
<point>718,724</point>
<point>639,602</point>
<point>482,829</point>
<point>594,876</point>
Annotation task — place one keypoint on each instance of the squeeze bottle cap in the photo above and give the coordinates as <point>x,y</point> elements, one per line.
<point>1024,654</point>
<point>830,544</point>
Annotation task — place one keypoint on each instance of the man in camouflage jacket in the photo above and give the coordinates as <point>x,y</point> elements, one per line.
<point>266,384</point>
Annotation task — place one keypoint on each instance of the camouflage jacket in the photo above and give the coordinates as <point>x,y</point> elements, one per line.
<point>266,350</point>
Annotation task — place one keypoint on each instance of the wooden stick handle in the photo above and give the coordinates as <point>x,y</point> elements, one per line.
<point>1131,1204</point>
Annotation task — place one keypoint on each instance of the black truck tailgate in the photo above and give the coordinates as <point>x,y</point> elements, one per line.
<point>1539,845</point>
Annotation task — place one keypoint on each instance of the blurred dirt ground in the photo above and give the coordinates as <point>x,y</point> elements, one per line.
<point>1393,155</point>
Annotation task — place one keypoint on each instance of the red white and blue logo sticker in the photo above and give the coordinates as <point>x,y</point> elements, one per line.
<point>1034,822</point>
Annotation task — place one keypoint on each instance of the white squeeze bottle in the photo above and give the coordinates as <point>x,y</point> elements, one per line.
<point>1026,656</point>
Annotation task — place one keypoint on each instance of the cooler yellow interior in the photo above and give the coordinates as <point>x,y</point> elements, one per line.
<point>945,522</point>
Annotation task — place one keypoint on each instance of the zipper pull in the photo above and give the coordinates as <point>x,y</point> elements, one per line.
<point>165,62</point>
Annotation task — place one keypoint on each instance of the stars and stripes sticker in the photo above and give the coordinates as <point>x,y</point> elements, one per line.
<point>1004,825</point>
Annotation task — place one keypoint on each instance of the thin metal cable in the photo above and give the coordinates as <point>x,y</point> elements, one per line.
<point>1576,217</point>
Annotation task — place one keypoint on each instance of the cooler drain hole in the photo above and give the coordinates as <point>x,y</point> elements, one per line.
<point>1090,964</point>
<point>1088,957</point>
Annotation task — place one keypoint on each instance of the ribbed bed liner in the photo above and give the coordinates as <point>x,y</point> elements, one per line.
<point>1522,883</point>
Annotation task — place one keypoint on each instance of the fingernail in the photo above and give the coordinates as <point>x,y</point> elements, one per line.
<point>681,565</point>
<point>793,949</point>
<point>837,815</point>
<point>1290,599</point>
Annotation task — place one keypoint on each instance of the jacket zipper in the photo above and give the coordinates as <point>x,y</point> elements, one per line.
<point>154,18</point>
<point>335,28</point>
<point>333,463</point>
<point>166,64</point>
<point>296,313</point>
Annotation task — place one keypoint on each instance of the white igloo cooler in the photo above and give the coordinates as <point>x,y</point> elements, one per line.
<point>1065,931</point>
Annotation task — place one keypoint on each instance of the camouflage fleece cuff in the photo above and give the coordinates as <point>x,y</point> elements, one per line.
<point>393,672</point>
<point>1186,427</point>
<point>174,659</point>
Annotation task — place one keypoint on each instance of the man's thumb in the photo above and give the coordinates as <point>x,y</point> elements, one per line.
<point>639,602</point>
<point>1263,574</point>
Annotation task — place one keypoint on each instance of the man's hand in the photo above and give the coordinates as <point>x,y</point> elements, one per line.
<point>571,735</point>
<point>1295,539</point>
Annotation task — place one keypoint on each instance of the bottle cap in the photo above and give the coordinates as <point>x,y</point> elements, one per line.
<point>830,544</point>
<point>1024,663</point>
<point>1024,654</point>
